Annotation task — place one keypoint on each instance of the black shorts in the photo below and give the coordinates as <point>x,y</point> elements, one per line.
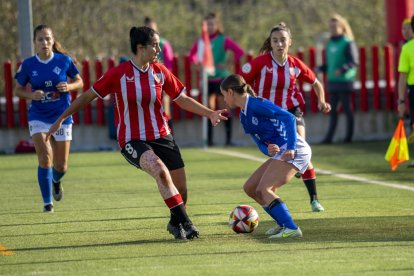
<point>300,121</point>
<point>214,88</point>
<point>411,102</point>
<point>165,148</point>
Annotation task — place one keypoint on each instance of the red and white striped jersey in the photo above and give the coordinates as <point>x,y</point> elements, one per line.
<point>277,82</point>
<point>139,114</point>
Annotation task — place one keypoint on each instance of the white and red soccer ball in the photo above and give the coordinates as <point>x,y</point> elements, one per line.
<point>243,219</point>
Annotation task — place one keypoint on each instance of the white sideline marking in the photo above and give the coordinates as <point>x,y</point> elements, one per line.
<point>340,175</point>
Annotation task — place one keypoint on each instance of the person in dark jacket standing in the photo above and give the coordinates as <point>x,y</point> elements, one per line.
<point>341,62</point>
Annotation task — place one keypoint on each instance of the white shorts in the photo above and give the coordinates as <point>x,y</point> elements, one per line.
<point>302,157</point>
<point>63,134</point>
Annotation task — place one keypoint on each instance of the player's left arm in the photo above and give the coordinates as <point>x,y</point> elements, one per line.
<point>320,94</point>
<point>307,75</point>
<point>76,83</point>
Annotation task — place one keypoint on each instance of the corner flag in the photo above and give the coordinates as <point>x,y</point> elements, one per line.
<point>397,151</point>
<point>204,52</point>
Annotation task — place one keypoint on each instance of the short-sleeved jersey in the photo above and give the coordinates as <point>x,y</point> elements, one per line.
<point>406,62</point>
<point>45,75</point>
<point>267,123</point>
<point>139,112</point>
<point>277,82</point>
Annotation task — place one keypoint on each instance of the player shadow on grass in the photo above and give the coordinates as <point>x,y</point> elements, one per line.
<point>345,229</point>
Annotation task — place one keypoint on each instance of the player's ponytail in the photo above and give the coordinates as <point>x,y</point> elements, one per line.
<point>237,84</point>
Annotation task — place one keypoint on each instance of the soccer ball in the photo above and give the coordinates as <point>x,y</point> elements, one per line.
<point>243,219</point>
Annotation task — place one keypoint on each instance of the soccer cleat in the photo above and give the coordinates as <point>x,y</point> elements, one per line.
<point>274,230</point>
<point>191,231</point>
<point>57,191</point>
<point>316,206</point>
<point>177,231</point>
<point>48,208</point>
<point>298,175</point>
<point>287,233</point>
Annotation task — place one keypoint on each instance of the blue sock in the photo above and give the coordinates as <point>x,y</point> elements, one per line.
<point>266,208</point>
<point>57,176</point>
<point>281,215</point>
<point>44,177</point>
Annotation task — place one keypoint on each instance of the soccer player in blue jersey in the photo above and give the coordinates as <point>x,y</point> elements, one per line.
<point>47,73</point>
<point>274,131</point>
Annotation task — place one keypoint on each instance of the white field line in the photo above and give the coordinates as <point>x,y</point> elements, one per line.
<point>339,175</point>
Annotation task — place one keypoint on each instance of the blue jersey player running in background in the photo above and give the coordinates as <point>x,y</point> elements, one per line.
<point>274,131</point>
<point>47,73</point>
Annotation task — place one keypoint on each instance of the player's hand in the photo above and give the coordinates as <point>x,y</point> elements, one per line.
<point>53,129</point>
<point>217,116</point>
<point>272,149</point>
<point>37,95</point>
<point>288,155</point>
<point>324,107</point>
<point>62,86</point>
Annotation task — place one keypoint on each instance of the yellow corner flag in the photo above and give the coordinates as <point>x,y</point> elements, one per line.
<point>397,151</point>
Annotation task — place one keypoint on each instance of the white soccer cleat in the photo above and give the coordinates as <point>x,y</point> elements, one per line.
<point>287,233</point>
<point>274,230</point>
<point>316,206</point>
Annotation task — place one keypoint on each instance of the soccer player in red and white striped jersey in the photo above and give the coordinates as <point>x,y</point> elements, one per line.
<point>273,75</point>
<point>143,133</point>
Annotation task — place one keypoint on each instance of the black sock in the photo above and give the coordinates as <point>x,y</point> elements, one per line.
<point>275,202</point>
<point>228,130</point>
<point>179,213</point>
<point>173,219</point>
<point>311,186</point>
<point>209,134</point>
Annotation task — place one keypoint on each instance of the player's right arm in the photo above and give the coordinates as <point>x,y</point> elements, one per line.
<point>21,92</point>
<point>77,104</point>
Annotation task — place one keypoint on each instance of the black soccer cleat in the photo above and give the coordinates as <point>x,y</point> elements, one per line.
<point>177,231</point>
<point>48,209</point>
<point>191,231</point>
<point>57,191</point>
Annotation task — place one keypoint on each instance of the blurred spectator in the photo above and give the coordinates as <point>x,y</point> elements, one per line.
<point>220,45</point>
<point>406,76</point>
<point>341,62</point>
<point>407,31</point>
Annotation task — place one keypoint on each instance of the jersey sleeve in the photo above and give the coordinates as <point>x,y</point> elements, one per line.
<point>72,69</point>
<point>251,70</point>
<point>172,85</point>
<point>262,146</point>
<point>103,86</point>
<point>270,110</point>
<point>305,73</point>
<point>21,75</point>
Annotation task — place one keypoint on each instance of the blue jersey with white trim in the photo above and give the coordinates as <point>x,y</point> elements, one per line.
<point>268,124</point>
<point>45,75</point>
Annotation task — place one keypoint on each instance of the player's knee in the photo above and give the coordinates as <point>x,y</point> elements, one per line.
<point>163,175</point>
<point>249,190</point>
<point>45,160</point>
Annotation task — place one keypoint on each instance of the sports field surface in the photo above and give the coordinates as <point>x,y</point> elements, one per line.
<point>112,220</point>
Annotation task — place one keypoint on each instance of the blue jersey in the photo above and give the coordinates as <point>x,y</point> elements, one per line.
<point>45,75</point>
<point>268,124</point>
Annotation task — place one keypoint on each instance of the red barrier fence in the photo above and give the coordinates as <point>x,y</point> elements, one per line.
<point>372,93</point>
